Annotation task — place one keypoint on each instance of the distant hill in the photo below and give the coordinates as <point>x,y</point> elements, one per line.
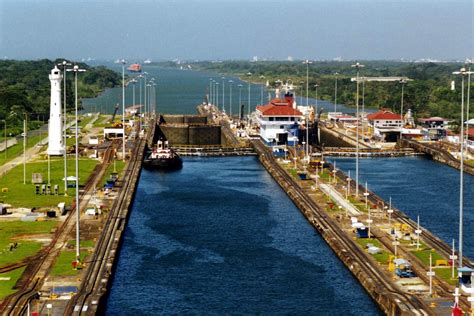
<point>25,87</point>
<point>429,94</point>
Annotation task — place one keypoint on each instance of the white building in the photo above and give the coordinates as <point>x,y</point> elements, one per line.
<point>385,119</point>
<point>55,127</point>
<point>386,125</point>
<point>278,121</point>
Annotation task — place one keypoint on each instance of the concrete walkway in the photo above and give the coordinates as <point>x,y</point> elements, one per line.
<point>339,199</point>
<point>10,142</point>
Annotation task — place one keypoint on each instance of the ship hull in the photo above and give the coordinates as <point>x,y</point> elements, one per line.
<point>163,163</point>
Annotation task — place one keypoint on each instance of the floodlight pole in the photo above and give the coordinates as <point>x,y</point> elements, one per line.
<point>357,66</point>
<point>123,62</point>
<point>249,74</point>
<point>64,64</point>
<point>462,72</point>
<point>25,124</point>
<point>230,101</point>
<point>78,208</point>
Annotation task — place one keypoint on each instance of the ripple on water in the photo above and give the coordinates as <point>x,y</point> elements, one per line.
<point>231,243</point>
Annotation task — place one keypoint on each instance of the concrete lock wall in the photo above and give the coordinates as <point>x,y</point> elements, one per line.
<point>176,135</point>
<point>330,140</point>
<point>195,120</point>
<point>204,135</point>
<point>192,135</point>
<point>184,119</point>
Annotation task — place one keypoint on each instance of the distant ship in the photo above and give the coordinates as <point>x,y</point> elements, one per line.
<point>162,157</point>
<point>148,61</point>
<point>135,68</point>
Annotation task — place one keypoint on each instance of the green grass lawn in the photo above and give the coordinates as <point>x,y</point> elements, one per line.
<point>85,120</point>
<point>11,229</point>
<point>119,166</point>
<point>6,286</point>
<point>84,243</point>
<point>63,265</point>
<point>445,274</point>
<point>381,257</point>
<point>424,256</point>
<point>17,149</point>
<point>102,121</point>
<point>23,195</point>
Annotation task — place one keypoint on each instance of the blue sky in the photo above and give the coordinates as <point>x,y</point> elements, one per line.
<point>230,29</point>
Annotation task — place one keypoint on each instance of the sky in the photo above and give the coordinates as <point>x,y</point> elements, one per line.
<point>231,29</point>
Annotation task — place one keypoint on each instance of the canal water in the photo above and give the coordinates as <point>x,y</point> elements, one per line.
<point>180,91</point>
<point>420,186</point>
<point>221,237</point>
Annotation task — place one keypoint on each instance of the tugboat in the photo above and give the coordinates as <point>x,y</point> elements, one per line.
<point>162,157</point>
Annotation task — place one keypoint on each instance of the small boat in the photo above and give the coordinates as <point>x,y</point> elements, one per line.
<point>162,157</point>
<point>148,61</point>
<point>135,68</point>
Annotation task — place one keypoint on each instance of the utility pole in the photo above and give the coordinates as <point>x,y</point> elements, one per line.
<point>78,208</point>
<point>357,66</point>
<point>25,124</point>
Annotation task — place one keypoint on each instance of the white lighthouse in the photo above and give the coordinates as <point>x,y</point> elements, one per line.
<point>55,139</point>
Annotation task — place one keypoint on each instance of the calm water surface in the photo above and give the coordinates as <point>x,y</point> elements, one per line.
<point>420,186</point>
<point>221,237</point>
<point>180,91</point>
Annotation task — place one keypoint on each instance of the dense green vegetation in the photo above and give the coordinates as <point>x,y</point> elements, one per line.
<point>25,88</point>
<point>429,94</point>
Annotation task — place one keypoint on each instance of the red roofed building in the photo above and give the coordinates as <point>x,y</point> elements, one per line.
<point>385,119</point>
<point>386,124</point>
<point>278,121</point>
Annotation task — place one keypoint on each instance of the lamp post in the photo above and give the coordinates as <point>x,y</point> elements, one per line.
<point>301,94</point>
<point>133,81</point>
<point>307,62</point>
<point>6,143</point>
<point>249,74</point>
<point>217,95</point>
<point>463,73</point>
<point>316,88</point>
<point>390,211</point>
<point>357,66</point>
<point>210,92</point>
<point>362,120</point>
<point>366,194</point>
<point>418,233</point>
<point>25,125</point>
<point>123,62</point>
<point>230,98</point>
<point>140,94</point>
<point>402,82</point>
<point>307,136</point>
<point>64,65</point>
<point>223,95</point>
<point>261,96</point>
<point>468,63</point>
<point>145,112</point>
<point>240,98</point>
<point>335,92</point>
<point>76,69</point>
